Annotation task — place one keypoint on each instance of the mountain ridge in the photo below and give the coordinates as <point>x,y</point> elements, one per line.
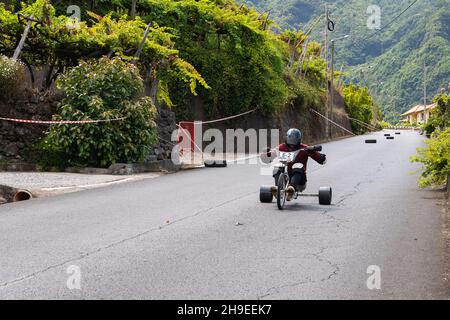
<point>389,61</point>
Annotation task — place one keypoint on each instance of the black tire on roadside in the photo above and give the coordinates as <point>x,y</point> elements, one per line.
<point>216,163</point>
<point>265,194</point>
<point>325,196</point>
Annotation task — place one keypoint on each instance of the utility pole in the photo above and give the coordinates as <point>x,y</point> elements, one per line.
<point>328,127</point>
<point>327,13</point>
<point>424,92</point>
<point>332,85</point>
<point>331,91</point>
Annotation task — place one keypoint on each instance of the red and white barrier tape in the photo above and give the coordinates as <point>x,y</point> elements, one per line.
<point>224,119</point>
<point>59,122</point>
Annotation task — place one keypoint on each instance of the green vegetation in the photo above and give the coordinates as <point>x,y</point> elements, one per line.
<point>440,116</point>
<point>384,124</point>
<point>436,156</point>
<point>12,76</point>
<point>359,105</point>
<point>289,14</point>
<point>101,89</point>
<point>436,160</point>
<point>226,53</point>
<point>56,42</point>
<point>217,55</point>
<point>241,61</point>
<point>389,63</point>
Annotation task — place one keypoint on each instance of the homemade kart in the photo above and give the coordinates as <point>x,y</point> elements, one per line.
<point>284,159</point>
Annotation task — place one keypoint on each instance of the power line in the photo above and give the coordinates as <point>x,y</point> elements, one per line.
<point>358,42</point>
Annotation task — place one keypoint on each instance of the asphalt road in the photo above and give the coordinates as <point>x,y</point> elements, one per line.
<point>203,234</point>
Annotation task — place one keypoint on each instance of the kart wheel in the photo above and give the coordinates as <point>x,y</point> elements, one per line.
<point>398,133</point>
<point>283,183</point>
<point>371,141</point>
<point>265,194</point>
<point>325,195</point>
<point>390,138</point>
<point>387,134</point>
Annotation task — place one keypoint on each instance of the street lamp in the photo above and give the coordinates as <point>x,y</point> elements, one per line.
<point>332,80</point>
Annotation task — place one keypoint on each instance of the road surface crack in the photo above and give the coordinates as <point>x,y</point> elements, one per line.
<point>117,243</point>
<point>318,256</point>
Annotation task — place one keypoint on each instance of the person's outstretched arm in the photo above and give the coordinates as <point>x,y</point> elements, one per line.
<point>318,157</point>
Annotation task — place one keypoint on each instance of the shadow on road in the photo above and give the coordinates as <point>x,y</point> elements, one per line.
<point>305,207</point>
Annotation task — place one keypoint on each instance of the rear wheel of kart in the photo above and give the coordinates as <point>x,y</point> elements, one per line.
<point>398,133</point>
<point>325,195</point>
<point>387,135</point>
<point>371,141</point>
<point>283,183</point>
<point>390,138</point>
<point>265,194</point>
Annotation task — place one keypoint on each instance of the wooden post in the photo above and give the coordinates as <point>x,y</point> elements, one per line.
<point>22,40</point>
<point>141,46</point>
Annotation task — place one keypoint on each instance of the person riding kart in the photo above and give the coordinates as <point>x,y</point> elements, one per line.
<point>296,169</point>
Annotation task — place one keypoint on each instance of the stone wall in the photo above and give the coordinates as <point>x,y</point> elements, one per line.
<point>166,125</point>
<point>16,139</point>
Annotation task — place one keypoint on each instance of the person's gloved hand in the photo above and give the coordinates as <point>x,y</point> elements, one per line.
<point>266,156</point>
<point>323,159</point>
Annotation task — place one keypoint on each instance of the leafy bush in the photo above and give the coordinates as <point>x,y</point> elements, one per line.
<point>12,76</point>
<point>359,105</point>
<point>440,116</point>
<point>436,160</point>
<point>241,62</point>
<point>101,90</point>
<point>56,43</point>
<point>428,128</point>
<point>384,124</point>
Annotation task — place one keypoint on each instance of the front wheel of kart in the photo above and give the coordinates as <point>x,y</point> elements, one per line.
<point>325,195</point>
<point>283,183</point>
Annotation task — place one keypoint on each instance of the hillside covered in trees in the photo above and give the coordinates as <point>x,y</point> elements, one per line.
<point>389,61</point>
